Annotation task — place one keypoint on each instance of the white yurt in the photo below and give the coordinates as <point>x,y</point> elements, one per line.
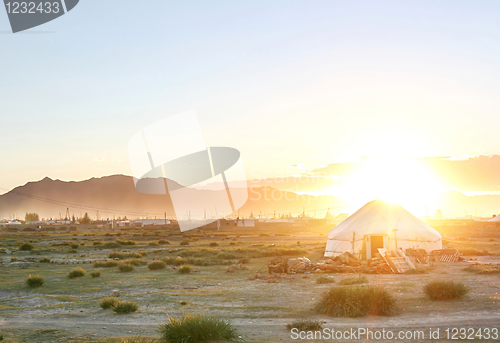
<point>379,224</point>
<point>495,220</point>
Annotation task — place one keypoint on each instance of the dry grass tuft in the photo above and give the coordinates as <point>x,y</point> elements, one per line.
<point>325,279</point>
<point>124,307</point>
<point>185,269</point>
<point>156,265</point>
<point>125,267</point>
<point>77,272</point>
<point>445,290</point>
<point>356,301</point>
<point>194,328</point>
<point>34,281</point>
<point>108,302</point>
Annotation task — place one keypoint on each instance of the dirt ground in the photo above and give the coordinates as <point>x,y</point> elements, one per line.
<point>66,310</point>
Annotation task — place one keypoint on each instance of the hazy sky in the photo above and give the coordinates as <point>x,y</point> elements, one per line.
<point>285,82</point>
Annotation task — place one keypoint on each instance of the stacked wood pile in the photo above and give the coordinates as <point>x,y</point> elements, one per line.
<point>348,259</point>
<point>285,265</point>
<point>377,265</point>
<point>397,260</point>
<point>445,255</point>
<point>299,265</point>
<point>278,265</point>
<point>419,255</point>
<point>344,263</point>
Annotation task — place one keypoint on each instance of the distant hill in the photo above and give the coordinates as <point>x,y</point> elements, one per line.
<point>456,204</point>
<point>117,196</point>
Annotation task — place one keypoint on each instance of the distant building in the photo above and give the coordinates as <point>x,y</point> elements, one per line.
<point>123,223</point>
<point>148,222</point>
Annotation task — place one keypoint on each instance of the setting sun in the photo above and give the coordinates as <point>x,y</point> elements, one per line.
<point>404,181</point>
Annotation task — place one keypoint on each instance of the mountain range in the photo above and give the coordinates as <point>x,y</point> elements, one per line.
<point>116,196</point>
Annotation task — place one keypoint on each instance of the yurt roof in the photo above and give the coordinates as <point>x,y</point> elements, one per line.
<point>382,218</point>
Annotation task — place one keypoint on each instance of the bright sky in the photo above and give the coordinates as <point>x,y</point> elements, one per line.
<point>285,82</point>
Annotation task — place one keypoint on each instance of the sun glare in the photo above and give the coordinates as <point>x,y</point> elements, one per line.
<point>403,181</point>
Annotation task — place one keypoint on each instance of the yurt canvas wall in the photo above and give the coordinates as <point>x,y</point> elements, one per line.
<point>379,224</point>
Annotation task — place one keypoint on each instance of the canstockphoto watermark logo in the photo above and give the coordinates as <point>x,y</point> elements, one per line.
<point>204,183</point>
<point>24,15</point>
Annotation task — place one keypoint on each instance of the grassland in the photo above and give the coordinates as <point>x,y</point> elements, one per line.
<point>67,309</point>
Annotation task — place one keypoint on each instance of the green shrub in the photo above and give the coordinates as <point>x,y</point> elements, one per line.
<point>177,261</point>
<point>156,265</point>
<point>74,246</point>
<point>26,247</point>
<point>194,328</point>
<point>163,242</point>
<point>153,244</point>
<point>95,273</point>
<point>2,337</point>
<point>325,279</point>
<point>77,272</point>
<point>185,242</point>
<point>97,243</point>
<point>125,307</point>
<point>353,281</point>
<point>111,245</point>
<point>34,281</point>
<point>120,255</point>
<point>125,242</point>
<point>306,325</point>
<point>185,269</point>
<point>124,255</point>
<point>214,244</point>
<point>356,301</point>
<point>108,302</point>
<point>105,264</point>
<point>445,290</point>
<point>13,259</point>
<point>45,260</point>
<point>136,262</point>
<point>125,267</point>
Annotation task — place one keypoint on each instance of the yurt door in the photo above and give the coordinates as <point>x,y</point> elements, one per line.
<point>374,243</point>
